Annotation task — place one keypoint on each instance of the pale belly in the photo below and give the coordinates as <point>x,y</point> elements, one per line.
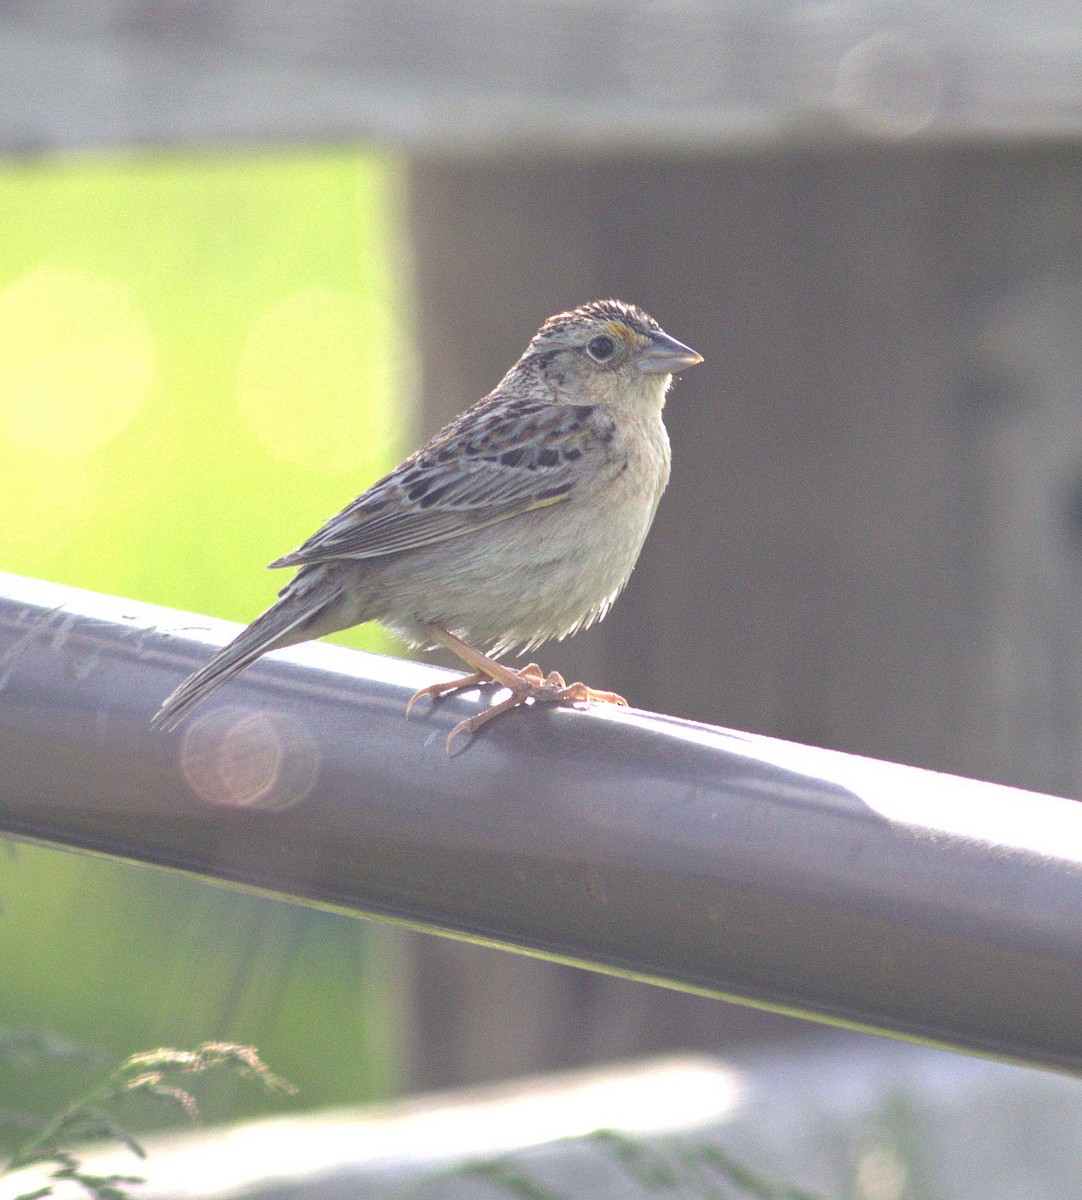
<point>524,581</point>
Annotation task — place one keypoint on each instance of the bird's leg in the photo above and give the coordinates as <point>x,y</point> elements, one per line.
<point>485,669</point>
<point>529,683</point>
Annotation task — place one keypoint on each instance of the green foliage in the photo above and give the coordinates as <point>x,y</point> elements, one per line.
<point>201,358</point>
<point>665,1166</point>
<point>159,1075</point>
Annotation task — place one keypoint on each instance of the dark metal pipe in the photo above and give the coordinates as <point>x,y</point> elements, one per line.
<point>814,882</point>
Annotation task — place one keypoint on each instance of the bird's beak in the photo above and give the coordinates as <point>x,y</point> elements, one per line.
<point>665,355</point>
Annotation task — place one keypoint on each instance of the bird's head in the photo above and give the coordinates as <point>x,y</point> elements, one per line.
<point>605,352</point>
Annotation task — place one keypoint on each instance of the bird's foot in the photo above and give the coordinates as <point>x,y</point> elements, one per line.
<point>436,691</point>
<point>532,684</point>
<point>525,684</point>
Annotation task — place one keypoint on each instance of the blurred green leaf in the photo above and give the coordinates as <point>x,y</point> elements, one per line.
<point>201,358</point>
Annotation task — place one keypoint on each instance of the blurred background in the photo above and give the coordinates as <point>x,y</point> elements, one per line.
<point>251,254</point>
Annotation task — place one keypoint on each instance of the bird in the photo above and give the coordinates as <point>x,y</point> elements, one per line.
<point>517,523</point>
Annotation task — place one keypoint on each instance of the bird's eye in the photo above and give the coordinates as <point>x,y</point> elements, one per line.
<point>601,348</point>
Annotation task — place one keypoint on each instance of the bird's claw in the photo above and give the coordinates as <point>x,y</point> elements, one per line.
<point>532,684</point>
<point>436,691</point>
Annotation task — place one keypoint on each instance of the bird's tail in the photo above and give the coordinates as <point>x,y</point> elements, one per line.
<point>293,619</point>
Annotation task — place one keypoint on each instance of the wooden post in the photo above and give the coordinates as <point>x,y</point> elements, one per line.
<point>871,539</point>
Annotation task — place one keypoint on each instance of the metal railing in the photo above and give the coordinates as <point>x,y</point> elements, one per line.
<point>812,882</point>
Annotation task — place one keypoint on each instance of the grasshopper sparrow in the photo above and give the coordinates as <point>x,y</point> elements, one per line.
<point>518,522</point>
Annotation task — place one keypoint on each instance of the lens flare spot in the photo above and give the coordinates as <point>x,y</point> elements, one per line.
<point>249,759</point>
<point>76,360</point>
<point>889,84</point>
<point>318,375</point>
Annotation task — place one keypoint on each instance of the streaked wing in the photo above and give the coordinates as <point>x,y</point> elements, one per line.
<point>497,460</point>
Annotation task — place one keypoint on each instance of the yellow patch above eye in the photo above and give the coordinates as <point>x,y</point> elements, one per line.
<point>618,329</point>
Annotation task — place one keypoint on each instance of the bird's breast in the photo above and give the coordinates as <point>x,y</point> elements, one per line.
<point>543,574</point>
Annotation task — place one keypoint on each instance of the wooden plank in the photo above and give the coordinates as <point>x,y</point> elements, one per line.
<point>586,77</point>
